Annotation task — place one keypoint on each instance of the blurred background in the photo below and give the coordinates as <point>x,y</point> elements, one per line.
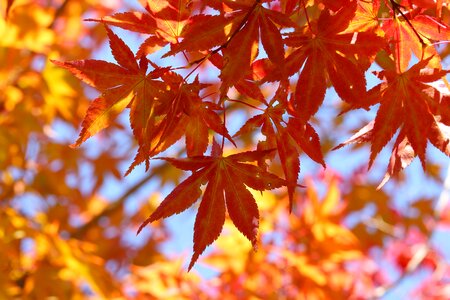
<point>68,216</point>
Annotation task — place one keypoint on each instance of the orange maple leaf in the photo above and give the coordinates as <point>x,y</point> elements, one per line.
<point>415,34</point>
<point>122,84</point>
<point>163,20</point>
<point>201,117</point>
<point>163,107</point>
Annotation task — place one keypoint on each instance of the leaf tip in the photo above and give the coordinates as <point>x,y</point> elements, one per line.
<point>58,63</point>
<point>77,143</point>
<point>383,182</point>
<point>337,147</point>
<point>145,223</point>
<point>193,260</point>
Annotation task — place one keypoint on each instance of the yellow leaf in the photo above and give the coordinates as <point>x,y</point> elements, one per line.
<point>27,27</point>
<point>330,202</point>
<point>309,271</point>
<point>165,280</point>
<point>59,94</point>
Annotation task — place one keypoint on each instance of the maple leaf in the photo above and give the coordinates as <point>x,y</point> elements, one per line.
<point>289,139</point>
<point>170,16</point>
<point>204,32</point>
<point>402,153</point>
<point>363,135</point>
<point>158,116</point>
<point>321,217</point>
<point>129,85</point>
<point>237,34</point>
<point>409,102</point>
<point>120,84</point>
<point>227,179</point>
<point>415,33</point>
<point>242,49</point>
<point>163,21</point>
<point>197,115</point>
<point>366,17</point>
<point>133,21</point>
<point>405,103</point>
<point>402,156</point>
<point>326,51</point>
<point>189,111</point>
<point>180,111</point>
<point>201,117</point>
<point>246,86</point>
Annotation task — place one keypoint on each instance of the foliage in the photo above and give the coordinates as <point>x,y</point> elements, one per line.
<point>235,93</point>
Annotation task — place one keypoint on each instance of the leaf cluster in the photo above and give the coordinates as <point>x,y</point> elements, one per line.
<point>301,48</point>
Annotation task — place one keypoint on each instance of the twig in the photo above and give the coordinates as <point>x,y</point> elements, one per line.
<point>224,45</point>
<point>423,250</point>
<point>396,7</point>
<point>306,15</point>
<point>112,207</point>
<point>58,13</point>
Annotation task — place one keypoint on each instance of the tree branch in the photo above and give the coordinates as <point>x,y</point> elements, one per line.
<point>423,249</point>
<point>112,207</point>
<point>58,13</point>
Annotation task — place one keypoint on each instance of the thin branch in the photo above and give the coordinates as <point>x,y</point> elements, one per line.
<point>396,8</point>
<point>381,226</point>
<point>112,207</point>
<point>245,103</point>
<point>59,11</point>
<point>423,249</point>
<point>444,197</point>
<point>412,266</point>
<point>306,15</point>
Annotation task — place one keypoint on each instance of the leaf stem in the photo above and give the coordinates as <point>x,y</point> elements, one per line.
<point>306,15</point>
<point>224,45</point>
<point>396,8</point>
<point>244,103</point>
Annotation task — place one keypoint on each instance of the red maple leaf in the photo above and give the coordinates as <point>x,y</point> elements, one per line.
<point>236,32</point>
<point>163,21</point>
<point>405,103</point>
<point>227,179</point>
<point>324,51</point>
<point>289,138</point>
<point>409,102</point>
